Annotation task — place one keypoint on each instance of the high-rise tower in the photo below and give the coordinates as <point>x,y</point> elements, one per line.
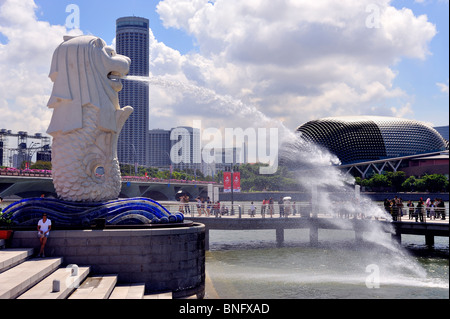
<point>132,40</point>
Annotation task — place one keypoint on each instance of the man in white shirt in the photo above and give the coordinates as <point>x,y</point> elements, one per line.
<point>44,226</point>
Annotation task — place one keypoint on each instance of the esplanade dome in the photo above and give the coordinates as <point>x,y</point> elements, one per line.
<point>356,139</point>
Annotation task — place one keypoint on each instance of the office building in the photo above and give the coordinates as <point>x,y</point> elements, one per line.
<point>185,150</point>
<point>178,147</point>
<point>132,40</point>
<point>159,148</point>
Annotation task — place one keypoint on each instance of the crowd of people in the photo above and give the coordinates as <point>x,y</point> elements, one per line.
<point>431,209</point>
<point>285,207</point>
<point>205,207</point>
<point>396,207</point>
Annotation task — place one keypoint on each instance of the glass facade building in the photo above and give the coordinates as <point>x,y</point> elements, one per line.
<point>355,139</point>
<point>179,147</point>
<point>185,148</point>
<point>159,145</point>
<point>132,40</point>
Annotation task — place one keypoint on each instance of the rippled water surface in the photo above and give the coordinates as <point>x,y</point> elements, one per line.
<point>248,264</point>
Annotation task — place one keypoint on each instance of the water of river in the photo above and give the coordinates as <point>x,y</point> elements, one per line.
<point>247,264</point>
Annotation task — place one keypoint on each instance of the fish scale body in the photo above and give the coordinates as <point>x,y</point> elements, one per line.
<point>74,168</point>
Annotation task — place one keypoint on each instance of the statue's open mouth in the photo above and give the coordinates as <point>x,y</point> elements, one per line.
<point>115,76</point>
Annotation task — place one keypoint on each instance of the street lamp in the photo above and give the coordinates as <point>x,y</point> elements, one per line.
<point>170,163</point>
<point>232,188</point>
<point>134,159</point>
<point>30,154</point>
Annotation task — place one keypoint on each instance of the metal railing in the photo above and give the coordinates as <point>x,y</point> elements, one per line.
<point>8,171</point>
<point>301,209</point>
<point>25,172</point>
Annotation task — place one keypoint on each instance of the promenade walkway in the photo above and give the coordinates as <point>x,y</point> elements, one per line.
<point>244,219</point>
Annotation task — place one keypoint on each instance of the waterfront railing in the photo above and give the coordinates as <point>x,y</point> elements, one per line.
<point>247,210</point>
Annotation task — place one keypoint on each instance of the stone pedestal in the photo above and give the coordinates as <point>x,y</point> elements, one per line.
<point>165,259</point>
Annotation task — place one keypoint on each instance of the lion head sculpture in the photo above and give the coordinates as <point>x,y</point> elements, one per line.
<point>87,119</point>
<point>84,70</point>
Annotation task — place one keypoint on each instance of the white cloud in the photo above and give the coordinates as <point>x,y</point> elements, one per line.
<point>292,60</point>
<point>24,66</point>
<point>296,60</point>
<point>443,87</point>
<point>402,111</point>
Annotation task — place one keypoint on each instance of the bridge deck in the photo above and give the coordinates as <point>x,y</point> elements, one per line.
<point>397,228</point>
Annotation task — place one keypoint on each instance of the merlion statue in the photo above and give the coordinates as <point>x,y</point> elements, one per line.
<point>87,119</point>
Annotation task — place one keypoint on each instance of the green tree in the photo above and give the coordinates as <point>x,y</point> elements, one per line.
<point>252,180</point>
<point>420,185</point>
<point>42,165</point>
<point>435,182</point>
<point>396,179</point>
<point>379,180</point>
<point>409,184</point>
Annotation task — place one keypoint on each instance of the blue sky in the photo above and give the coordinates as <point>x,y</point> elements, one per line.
<point>55,13</point>
<point>420,77</point>
<point>294,61</point>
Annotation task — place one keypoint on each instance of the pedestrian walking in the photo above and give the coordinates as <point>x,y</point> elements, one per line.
<point>281,206</point>
<point>252,210</point>
<point>265,202</point>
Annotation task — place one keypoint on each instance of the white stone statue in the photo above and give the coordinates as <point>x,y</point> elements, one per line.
<point>87,119</point>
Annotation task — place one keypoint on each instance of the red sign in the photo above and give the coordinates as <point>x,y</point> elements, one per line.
<point>236,182</point>
<point>227,182</point>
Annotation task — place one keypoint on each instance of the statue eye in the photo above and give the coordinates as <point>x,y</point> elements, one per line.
<point>110,52</point>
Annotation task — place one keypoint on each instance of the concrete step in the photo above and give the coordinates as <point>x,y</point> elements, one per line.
<point>13,256</point>
<point>98,287</point>
<point>22,277</point>
<point>131,291</point>
<point>167,295</point>
<point>67,283</point>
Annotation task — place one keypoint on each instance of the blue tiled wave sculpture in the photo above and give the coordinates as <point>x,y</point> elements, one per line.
<point>129,211</point>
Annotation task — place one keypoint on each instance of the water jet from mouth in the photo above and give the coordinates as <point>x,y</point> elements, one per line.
<point>315,167</point>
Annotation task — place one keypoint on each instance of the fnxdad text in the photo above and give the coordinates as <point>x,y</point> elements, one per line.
<point>244,308</point>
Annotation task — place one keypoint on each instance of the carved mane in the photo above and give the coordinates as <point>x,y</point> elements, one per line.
<point>80,77</point>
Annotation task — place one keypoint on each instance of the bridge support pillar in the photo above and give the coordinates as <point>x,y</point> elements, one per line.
<point>358,227</point>
<point>429,240</point>
<point>397,236</point>
<point>280,236</point>
<point>313,235</point>
<point>358,236</point>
